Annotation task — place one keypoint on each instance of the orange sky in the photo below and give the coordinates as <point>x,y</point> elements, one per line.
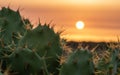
<point>101,17</point>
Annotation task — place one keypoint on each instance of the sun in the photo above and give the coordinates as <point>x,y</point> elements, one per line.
<point>80,25</point>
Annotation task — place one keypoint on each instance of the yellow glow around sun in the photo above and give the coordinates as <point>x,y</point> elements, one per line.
<point>80,25</point>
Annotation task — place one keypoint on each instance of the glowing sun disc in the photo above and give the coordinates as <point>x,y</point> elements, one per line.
<point>80,25</point>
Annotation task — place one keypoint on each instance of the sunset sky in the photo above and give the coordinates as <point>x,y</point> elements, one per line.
<point>101,17</point>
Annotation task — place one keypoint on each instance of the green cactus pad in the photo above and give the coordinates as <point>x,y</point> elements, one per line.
<point>26,62</point>
<point>46,42</point>
<point>78,63</point>
<point>11,24</point>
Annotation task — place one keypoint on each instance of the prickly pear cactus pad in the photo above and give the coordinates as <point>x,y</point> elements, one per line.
<point>25,62</point>
<point>78,63</point>
<point>11,24</point>
<point>42,38</point>
<point>46,42</point>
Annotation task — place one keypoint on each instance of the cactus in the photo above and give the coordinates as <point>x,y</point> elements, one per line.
<point>78,63</point>
<point>43,39</point>
<point>24,61</point>
<point>12,27</point>
<point>46,43</point>
<point>11,24</point>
